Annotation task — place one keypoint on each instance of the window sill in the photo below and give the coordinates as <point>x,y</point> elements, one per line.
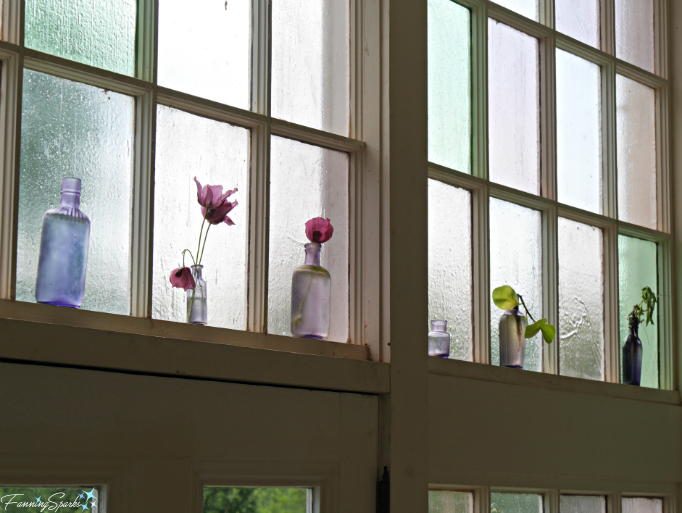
<point>477,371</point>
<point>63,336</point>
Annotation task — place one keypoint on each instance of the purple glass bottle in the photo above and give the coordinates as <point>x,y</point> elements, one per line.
<point>64,250</point>
<point>632,355</point>
<point>311,296</point>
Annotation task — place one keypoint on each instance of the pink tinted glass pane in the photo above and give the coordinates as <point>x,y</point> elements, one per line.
<point>579,19</point>
<point>513,100</point>
<point>635,32</point>
<point>636,133</point>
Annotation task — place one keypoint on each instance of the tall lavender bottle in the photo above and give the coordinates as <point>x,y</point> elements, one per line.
<point>311,296</point>
<point>64,250</point>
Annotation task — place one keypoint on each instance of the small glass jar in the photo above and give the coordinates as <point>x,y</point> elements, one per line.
<point>197,312</point>
<point>439,339</point>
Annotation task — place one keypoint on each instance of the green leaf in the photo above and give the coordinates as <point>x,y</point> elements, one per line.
<point>505,298</point>
<point>534,328</point>
<point>548,333</point>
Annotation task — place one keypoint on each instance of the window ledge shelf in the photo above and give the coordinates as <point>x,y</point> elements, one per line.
<point>477,371</point>
<point>63,336</point>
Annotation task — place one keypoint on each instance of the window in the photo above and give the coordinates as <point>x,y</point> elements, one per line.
<point>259,500</point>
<point>223,108</point>
<point>559,148</point>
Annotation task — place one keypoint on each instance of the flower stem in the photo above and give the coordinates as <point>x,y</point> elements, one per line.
<point>526,308</point>
<point>194,291</point>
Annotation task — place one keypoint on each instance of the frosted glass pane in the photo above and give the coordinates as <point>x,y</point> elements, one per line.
<point>310,63</point>
<point>513,101</point>
<point>582,504</point>
<point>637,268</point>
<point>305,182</point>
<point>450,85</point>
<point>96,32</point>
<point>211,58</point>
<point>635,32</point>
<point>636,132</point>
<point>451,502</point>
<point>528,8</point>
<point>450,278</point>
<point>217,154</point>
<point>579,168</point>
<point>578,19</point>
<point>72,129</point>
<point>515,503</point>
<point>516,260</point>
<point>581,301</point>
<point>641,505</point>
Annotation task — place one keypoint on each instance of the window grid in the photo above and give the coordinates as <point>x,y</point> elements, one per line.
<point>148,94</point>
<point>551,497</point>
<point>482,189</point>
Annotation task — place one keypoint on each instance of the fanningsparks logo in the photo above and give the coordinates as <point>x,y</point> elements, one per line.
<point>55,502</point>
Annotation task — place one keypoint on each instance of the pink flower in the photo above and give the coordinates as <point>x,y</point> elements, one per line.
<point>182,278</point>
<point>214,204</point>
<point>319,230</point>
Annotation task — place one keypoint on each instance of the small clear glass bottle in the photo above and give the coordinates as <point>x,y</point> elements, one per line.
<point>513,339</point>
<point>311,296</point>
<point>197,312</point>
<point>439,339</point>
<point>632,355</point>
<point>63,259</point>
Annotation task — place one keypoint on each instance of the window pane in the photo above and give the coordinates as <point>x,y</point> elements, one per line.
<point>310,63</point>
<point>73,129</point>
<point>205,49</point>
<point>635,32</point>
<point>217,154</point>
<point>450,278</point>
<point>579,132</point>
<point>516,260</point>
<point>515,503</point>
<point>11,497</point>
<point>96,32</point>
<point>641,505</point>
<point>289,500</point>
<point>305,182</point>
<point>579,19</point>
<point>637,268</point>
<point>582,504</point>
<point>451,502</point>
<point>513,100</point>
<point>581,301</point>
<point>528,8</point>
<point>450,85</point>
<point>636,132</point>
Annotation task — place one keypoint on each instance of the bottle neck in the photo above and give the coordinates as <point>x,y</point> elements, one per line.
<point>196,272</point>
<point>312,253</point>
<point>70,199</point>
<point>439,325</point>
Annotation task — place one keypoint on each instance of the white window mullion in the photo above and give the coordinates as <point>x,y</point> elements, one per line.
<point>607,17</point>
<point>259,179</point>
<point>611,307</point>
<point>550,286</point>
<point>10,127</point>
<point>481,273</point>
<point>547,107</point>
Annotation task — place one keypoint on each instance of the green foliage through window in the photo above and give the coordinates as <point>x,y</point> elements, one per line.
<point>255,500</point>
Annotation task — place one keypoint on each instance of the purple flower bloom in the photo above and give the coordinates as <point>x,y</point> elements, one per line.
<point>319,230</point>
<point>182,278</point>
<point>214,204</point>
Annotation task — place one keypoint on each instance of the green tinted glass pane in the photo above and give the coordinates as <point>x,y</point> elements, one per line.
<point>96,32</point>
<point>637,269</point>
<point>256,500</point>
<point>73,129</point>
<point>450,502</point>
<point>515,503</point>
<point>450,85</point>
<point>42,499</point>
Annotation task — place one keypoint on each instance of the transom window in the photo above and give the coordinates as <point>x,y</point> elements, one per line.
<point>549,173</point>
<point>249,97</point>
